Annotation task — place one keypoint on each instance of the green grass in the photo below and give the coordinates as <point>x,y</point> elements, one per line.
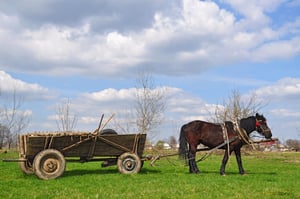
<point>269,175</point>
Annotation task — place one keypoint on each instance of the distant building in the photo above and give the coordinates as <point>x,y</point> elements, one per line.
<point>166,146</point>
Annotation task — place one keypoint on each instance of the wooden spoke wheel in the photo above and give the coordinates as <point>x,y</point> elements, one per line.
<point>49,164</point>
<point>129,163</point>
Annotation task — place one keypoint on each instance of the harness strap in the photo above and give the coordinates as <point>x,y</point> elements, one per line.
<point>226,142</point>
<point>225,136</point>
<point>243,135</point>
<point>208,153</point>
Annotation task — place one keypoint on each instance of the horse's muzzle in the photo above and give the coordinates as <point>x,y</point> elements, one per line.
<point>267,133</point>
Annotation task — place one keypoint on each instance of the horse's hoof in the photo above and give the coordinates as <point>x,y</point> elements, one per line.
<point>222,174</point>
<point>195,172</point>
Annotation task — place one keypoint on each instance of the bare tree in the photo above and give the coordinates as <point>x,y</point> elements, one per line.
<point>150,105</point>
<point>127,124</point>
<point>173,142</point>
<point>65,120</point>
<point>4,132</point>
<point>13,120</point>
<point>294,144</point>
<point>235,108</point>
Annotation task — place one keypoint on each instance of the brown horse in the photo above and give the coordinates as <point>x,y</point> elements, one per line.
<point>229,137</point>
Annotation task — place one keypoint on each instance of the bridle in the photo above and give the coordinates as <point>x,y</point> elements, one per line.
<point>259,126</point>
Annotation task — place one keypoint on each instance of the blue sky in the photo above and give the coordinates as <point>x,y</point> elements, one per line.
<point>200,51</point>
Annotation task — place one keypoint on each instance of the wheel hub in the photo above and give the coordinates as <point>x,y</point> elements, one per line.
<point>50,165</point>
<point>129,164</point>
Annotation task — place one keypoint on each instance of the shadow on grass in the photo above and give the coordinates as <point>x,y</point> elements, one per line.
<point>237,173</point>
<point>260,173</point>
<point>112,170</point>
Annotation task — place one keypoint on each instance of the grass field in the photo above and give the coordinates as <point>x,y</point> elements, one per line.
<point>269,175</point>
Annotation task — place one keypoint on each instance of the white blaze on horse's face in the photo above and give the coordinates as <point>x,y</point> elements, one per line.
<point>262,127</point>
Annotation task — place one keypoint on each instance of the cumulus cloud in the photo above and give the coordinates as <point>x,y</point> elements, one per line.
<point>254,12</point>
<point>111,95</point>
<point>180,106</point>
<point>173,38</point>
<point>286,88</point>
<point>283,104</point>
<point>116,39</point>
<point>9,85</point>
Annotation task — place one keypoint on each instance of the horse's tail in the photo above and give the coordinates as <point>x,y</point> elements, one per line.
<point>183,147</point>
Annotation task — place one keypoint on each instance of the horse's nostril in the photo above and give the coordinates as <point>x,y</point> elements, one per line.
<point>268,134</point>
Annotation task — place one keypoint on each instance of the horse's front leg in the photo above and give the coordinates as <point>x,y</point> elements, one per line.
<point>192,161</point>
<point>224,162</point>
<point>239,160</point>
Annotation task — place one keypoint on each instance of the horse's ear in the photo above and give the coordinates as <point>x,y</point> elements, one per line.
<point>256,115</point>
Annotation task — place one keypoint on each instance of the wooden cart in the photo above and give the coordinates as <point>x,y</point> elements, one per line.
<point>45,154</point>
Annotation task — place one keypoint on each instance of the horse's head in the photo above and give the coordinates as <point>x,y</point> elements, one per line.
<point>262,127</point>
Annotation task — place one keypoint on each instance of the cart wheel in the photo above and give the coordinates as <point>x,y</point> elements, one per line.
<point>129,163</point>
<point>26,167</point>
<point>49,164</point>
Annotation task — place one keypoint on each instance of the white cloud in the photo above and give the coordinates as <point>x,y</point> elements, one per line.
<point>286,88</point>
<point>283,112</point>
<point>80,51</point>
<point>8,23</point>
<point>51,43</point>
<point>9,85</point>
<point>282,108</point>
<point>270,50</point>
<point>195,35</point>
<point>204,17</point>
<point>173,38</point>
<point>180,107</point>
<point>111,95</point>
<point>254,11</point>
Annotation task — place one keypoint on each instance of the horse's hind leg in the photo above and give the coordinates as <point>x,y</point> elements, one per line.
<point>192,161</point>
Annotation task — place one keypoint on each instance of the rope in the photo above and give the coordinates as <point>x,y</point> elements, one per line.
<point>225,135</point>
<point>163,155</point>
<point>243,136</point>
<point>135,143</point>
<point>207,154</point>
<point>226,141</point>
